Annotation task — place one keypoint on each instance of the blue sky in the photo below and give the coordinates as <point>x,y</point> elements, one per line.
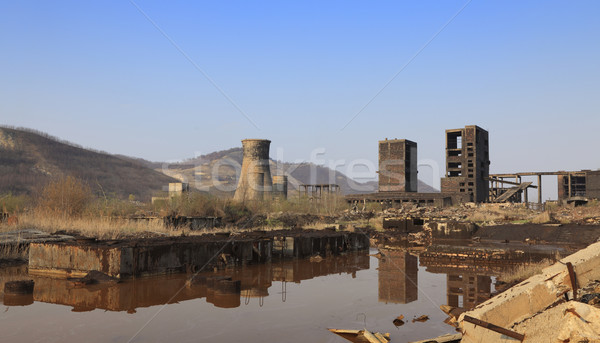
<point>100,74</point>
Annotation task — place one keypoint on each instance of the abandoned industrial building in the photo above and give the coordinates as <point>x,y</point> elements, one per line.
<point>573,186</point>
<point>255,181</point>
<point>397,166</point>
<point>467,177</point>
<point>467,164</point>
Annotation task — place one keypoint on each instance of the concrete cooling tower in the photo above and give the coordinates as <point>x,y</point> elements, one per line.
<point>255,181</point>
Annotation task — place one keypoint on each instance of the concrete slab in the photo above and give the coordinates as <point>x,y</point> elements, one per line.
<point>143,257</point>
<point>531,297</point>
<point>27,236</point>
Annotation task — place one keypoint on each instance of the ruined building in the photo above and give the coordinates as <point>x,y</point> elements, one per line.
<point>467,164</point>
<point>466,179</point>
<point>255,181</point>
<point>397,165</point>
<point>583,184</point>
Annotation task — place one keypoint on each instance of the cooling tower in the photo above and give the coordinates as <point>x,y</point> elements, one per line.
<point>255,178</point>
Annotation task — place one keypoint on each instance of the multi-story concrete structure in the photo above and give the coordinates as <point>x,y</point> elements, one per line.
<point>397,165</point>
<point>255,181</point>
<point>585,184</point>
<point>467,164</point>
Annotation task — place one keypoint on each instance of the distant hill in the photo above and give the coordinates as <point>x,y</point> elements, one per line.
<point>29,159</point>
<point>217,173</point>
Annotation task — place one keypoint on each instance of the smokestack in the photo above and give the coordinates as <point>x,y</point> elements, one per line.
<point>255,181</point>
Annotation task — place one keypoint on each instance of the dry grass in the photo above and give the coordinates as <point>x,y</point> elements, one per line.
<point>524,271</point>
<point>543,218</point>
<point>485,217</point>
<point>99,227</point>
<point>502,213</point>
<point>589,213</point>
<point>329,204</point>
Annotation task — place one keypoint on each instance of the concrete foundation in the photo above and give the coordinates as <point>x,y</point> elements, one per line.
<point>224,288</point>
<point>128,259</point>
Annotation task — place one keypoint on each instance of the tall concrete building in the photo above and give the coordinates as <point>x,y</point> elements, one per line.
<point>467,163</point>
<point>255,181</point>
<point>397,166</point>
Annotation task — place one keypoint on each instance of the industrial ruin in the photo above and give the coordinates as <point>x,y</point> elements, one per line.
<point>255,181</point>
<point>467,164</point>
<point>573,186</point>
<point>467,177</point>
<point>397,165</point>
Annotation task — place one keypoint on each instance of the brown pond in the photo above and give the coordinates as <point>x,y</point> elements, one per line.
<point>290,301</point>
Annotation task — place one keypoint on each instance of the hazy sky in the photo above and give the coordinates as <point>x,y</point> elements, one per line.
<point>131,77</point>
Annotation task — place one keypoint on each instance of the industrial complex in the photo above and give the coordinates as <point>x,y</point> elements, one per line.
<point>467,176</point>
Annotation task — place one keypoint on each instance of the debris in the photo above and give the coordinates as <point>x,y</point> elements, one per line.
<point>379,255</point>
<point>564,323</point>
<point>572,310</point>
<point>399,320</point>
<point>591,299</point>
<point>316,258</point>
<point>92,278</point>
<point>448,338</point>
<point>573,279</point>
<point>362,336</point>
<point>421,319</point>
<point>453,314</point>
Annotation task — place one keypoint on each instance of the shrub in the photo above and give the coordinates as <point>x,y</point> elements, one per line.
<point>65,196</point>
<point>10,203</point>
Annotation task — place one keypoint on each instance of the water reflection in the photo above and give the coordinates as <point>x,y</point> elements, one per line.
<point>398,281</point>
<point>472,289</point>
<point>225,288</point>
<point>466,286</point>
<point>468,282</point>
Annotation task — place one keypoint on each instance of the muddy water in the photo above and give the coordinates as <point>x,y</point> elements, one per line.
<point>291,301</point>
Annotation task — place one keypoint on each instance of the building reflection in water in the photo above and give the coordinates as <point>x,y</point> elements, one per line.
<point>472,289</point>
<point>398,277</point>
<point>468,283</point>
<point>226,288</point>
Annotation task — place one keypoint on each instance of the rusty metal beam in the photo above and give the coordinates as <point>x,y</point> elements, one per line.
<point>539,189</point>
<point>508,182</point>
<point>494,328</point>
<point>573,279</point>
<point>539,173</point>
